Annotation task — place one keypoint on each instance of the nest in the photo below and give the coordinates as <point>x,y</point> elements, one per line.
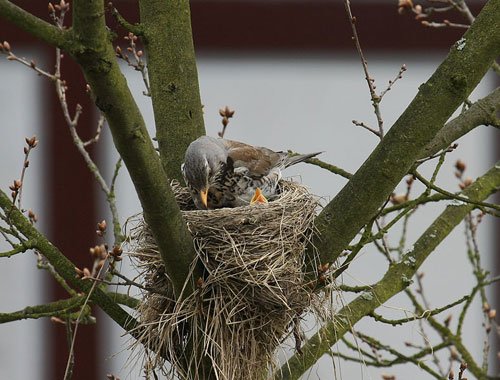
<point>252,294</point>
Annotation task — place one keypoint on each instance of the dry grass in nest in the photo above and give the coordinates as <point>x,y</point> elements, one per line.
<point>252,294</point>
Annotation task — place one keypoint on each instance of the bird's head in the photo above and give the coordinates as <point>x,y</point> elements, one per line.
<point>202,161</point>
<point>196,172</point>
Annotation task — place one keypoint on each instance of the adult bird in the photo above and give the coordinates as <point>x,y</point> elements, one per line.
<point>225,173</point>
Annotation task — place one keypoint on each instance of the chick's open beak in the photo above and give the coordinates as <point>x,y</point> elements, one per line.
<point>258,197</point>
<point>203,196</point>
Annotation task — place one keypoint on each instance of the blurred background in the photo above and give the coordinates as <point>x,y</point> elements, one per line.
<point>290,71</point>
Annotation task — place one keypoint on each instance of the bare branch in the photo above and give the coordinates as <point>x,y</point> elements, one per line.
<point>18,248</point>
<point>138,64</point>
<point>33,25</point>
<point>444,24</point>
<point>134,28</point>
<point>363,125</point>
<point>456,197</point>
<point>392,82</point>
<point>71,357</point>
<point>424,315</point>
<point>369,80</point>
<point>95,139</point>
<point>57,309</point>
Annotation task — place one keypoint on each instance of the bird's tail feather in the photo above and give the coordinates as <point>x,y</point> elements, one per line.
<point>292,160</point>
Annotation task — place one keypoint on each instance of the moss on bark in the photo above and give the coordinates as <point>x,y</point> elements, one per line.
<point>167,35</point>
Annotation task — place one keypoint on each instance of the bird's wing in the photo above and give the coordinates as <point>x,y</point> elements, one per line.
<point>259,161</point>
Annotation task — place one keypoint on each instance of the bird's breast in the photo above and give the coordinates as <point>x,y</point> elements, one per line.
<point>237,189</point>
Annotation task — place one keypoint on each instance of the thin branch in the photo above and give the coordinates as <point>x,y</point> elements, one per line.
<point>57,308</point>
<point>464,311</point>
<point>226,113</point>
<point>18,248</point>
<point>422,14</point>
<point>401,358</point>
<point>455,197</point>
<point>430,10</point>
<point>464,9</point>
<point>327,166</point>
<point>369,80</point>
<point>8,232</point>
<point>138,64</point>
<point>354,289</point>
<point>71,356</point>
<point>424,315</point>
<point>393,81</point>
<point>43,263</point>
<point>436,170</point>
<point>413,203</point>
<point>97,135</point>
<point>124,299</point>
<point>447,335</point>
<point>117,229</point>
<point>449,149</point>
<point>368,128</point>
<point>72,123</point>
<point>31,144</point>
<point>382,231</point>
<point>444,24</point>
<point>134,28</point>
<point>423,333</point>
<point>127,282</point>
<point>480,275</point>
<point>68,374</point>
<point>362,353</point>
<point>483,111</point>
<point>365,238</point>
<point>34,25</point>
<point>23,61</point>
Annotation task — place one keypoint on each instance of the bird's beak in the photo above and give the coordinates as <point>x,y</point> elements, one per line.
<point>258,197</point>
<point>203,196</point>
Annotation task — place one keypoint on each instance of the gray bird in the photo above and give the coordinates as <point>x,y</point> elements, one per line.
<point>225,173</point>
